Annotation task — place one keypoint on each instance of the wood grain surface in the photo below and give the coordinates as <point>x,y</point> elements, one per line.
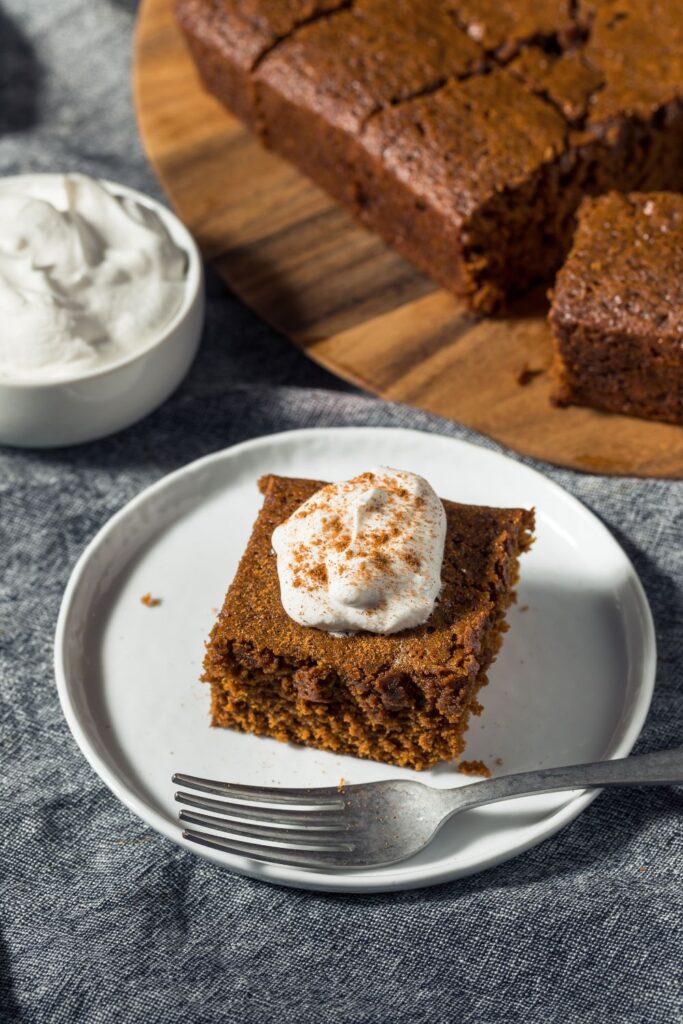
<point>304,265</point>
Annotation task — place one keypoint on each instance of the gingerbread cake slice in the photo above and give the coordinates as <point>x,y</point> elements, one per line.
<point>404,698</point>
<point>617,308</point>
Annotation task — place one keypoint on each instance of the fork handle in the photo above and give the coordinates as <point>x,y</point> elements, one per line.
<point>662,768</point>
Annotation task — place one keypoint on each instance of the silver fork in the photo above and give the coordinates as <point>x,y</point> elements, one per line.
<point>375,823</point>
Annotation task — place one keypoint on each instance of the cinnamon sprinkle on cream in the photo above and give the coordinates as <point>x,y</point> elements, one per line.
<point>364,554</point>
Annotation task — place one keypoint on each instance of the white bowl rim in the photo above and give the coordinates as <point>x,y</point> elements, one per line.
<point>193,280</point>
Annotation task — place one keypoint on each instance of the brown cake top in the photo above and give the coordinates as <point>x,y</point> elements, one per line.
<point>625,270</point>
<point>501,25</point>
<point>475,575</point>
<point>349,58</point>
<point>469,141</point>
<point>247,29</point>
<point>373,55</point>
<point>566,80</point>
<point>637,45</point>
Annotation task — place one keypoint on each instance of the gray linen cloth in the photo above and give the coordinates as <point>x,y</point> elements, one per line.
<point>101,919</point>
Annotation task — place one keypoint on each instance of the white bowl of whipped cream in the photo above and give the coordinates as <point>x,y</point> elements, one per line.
<point>101,307</point>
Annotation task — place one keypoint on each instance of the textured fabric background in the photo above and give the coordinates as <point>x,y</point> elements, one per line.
<point>100,919</point>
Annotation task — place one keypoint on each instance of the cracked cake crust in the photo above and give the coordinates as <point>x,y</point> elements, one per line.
<point>544,100</point>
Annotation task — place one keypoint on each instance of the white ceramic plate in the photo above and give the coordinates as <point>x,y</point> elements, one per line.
<point>573,681</point>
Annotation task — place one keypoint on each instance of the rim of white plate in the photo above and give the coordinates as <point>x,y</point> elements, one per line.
<point>400,876</point>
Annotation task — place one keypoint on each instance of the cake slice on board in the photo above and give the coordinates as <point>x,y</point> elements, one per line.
<point>617,308</point>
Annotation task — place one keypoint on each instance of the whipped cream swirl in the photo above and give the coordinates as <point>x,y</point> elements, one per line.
<point>87,278</point>
<point>365,554</point>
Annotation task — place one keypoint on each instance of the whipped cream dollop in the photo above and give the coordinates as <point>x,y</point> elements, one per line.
<point>86,277</point>
<point>365,554</point>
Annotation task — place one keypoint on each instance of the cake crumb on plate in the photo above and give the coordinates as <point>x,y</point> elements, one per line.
<point>474,768</point>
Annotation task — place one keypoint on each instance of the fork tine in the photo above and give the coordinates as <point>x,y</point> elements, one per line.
<point>325,795</point>
<point>313,817</point>
<point>329,839</point>
<point>272,855</point>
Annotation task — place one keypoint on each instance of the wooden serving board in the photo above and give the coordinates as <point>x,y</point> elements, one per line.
<point>304,265</point>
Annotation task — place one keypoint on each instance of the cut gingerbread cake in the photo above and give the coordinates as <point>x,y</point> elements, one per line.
<point>465,132</point>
